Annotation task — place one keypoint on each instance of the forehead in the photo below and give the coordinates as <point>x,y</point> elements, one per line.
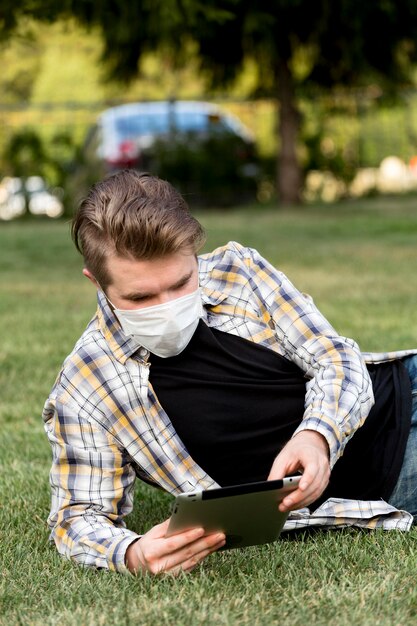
<point>150,273</point>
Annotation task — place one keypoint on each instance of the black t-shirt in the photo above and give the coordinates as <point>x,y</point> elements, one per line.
<point>235,404</point>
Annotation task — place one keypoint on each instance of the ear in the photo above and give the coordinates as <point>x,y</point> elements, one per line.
<point>89,275</point>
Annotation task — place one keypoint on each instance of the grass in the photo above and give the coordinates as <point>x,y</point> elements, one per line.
<point>358,261</point>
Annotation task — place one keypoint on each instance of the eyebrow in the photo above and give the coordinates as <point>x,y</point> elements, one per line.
<point>139,295</point>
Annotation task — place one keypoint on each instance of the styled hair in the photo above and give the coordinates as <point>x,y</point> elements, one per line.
<point>132,215</point>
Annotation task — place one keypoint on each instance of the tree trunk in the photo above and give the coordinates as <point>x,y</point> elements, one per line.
<point>289,175</point>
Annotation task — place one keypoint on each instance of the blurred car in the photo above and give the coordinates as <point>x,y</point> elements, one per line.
<point>124,135</point>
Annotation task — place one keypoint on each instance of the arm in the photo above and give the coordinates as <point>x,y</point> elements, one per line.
<point>338,393</point>
<point>92,491</point>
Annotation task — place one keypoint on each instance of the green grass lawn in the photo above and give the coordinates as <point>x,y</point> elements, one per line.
<point>358,260</point>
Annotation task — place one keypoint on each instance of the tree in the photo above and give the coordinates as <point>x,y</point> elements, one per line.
<point>294,43</point>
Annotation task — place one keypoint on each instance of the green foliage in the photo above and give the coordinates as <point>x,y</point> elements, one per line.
<point>325,155</point>
<point>21,65</point>
<point>343,40</point>
<point>25,155</point>
<point>28,154</point>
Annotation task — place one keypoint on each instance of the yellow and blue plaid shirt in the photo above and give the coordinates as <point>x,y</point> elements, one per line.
<point>106,426</point>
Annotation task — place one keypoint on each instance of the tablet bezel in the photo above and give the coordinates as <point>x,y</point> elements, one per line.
<point>288,484</point>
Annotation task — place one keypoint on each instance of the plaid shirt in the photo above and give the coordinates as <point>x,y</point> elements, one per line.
<point>106,426</point>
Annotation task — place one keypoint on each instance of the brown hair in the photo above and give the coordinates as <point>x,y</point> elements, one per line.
<point>132,215</point>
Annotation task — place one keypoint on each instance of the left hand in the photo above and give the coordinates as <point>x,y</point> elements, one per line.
<point>307,451</point>
<point>156,553</point>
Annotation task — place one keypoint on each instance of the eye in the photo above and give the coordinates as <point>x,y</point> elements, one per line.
<point>178,287</point>
<point>138,299</point>
<point>183,283</point>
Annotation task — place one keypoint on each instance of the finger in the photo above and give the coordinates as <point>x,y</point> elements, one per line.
<point>283,466</point>
<point>297,501</point>
<point>176,542</point>
<point>189,552</point>
<point>300,498</point>
<point>188,557</point>
<point>309,480</point>
<point>315,478</point>
<point>314,471</point>
<point>294,501</point>
<point>189,564</point>
<point>154,548</point>
<point>160,530</point>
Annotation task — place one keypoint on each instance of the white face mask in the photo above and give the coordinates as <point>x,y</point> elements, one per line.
<point>164,329</point>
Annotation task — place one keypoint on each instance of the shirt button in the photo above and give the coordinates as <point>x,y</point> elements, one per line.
<point>143,352</point>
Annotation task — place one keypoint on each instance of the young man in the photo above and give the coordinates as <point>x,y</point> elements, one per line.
<point>199,372</point>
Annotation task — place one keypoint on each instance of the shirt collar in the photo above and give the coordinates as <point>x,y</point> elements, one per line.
<point>122,346</point>
<point>209,294</point>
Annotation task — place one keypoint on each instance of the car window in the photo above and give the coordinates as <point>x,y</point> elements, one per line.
<point>158,123</point>
<point>141,125</point>
<point>191,121</point>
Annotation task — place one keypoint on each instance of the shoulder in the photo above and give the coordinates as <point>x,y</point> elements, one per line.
<point>235,262</point>
<point>224,269</point>
<point>225,257</point>
<point>85,367</point>
<point>238,274</point>
<point>231,248</point>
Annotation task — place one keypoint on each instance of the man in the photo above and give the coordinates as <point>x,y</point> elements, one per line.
<point>202,372</point>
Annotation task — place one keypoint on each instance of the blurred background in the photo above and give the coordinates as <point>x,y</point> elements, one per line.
<point>233,102</point>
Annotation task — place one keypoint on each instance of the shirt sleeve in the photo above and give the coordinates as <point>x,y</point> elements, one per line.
<point>92,490</point>
<point>339,391</point>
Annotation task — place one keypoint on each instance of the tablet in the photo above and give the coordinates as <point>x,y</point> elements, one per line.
<point>248,514</point>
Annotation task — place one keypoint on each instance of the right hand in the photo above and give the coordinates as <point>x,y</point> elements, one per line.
<point>155,553</point>
<point>307,451</point>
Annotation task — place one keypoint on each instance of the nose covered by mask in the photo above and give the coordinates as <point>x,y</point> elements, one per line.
<point>164,329</point>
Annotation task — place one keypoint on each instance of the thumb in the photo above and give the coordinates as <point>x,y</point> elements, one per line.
<point>282,466</point>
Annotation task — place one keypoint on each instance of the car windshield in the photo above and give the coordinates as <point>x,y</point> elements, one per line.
<point>158,123</point>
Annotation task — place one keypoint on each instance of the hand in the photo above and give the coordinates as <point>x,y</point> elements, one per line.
<point>156,554</point>
<point>307,451</point>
